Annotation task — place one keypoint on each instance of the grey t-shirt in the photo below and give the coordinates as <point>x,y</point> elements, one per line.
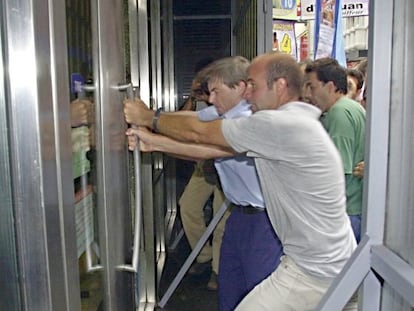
<point>302,179</point>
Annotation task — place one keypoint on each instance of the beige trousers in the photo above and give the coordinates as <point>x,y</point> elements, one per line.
<point>288,288</point>
<point>192,202</point>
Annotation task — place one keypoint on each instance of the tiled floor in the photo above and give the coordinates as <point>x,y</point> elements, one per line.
<point>192,293</point>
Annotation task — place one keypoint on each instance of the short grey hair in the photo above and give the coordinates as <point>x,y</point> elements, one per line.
<point>229,70</point>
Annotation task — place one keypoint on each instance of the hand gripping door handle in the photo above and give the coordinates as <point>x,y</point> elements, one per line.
<point>133,267</point>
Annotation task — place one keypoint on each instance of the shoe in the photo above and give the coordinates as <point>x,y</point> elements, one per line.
<point>212,283</point>
<point>199,268</point>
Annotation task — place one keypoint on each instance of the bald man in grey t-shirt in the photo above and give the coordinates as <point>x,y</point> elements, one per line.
<point>300,173</point>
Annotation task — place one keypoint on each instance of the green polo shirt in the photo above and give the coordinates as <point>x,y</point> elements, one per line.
<point>345,123</point>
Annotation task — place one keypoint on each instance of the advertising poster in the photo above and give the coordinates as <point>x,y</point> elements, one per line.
<point>328,31</point>
<point>304,46</point>
<point>284,39</point>
<point>355,8</point>
<point>286,9</point>
<point>84,219</point>
<point>348,8</point>
<point>325,27</point>
<point>80,146</point>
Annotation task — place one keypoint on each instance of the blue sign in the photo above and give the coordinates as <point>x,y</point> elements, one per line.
<point>77,81</point>
<point>288,4</point>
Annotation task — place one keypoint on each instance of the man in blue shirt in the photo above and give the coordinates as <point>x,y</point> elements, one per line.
<point>250,249</point>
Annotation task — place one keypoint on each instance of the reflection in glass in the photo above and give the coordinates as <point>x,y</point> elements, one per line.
<point>83,152</point>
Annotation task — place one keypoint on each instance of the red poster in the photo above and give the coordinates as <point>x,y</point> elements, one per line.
<point>304,46</point>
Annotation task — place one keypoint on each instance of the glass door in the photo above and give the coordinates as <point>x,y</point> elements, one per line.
<point>67,225</point>
<point>103,221</point>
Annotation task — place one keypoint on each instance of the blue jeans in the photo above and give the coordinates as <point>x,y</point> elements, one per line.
<point>356,226</point>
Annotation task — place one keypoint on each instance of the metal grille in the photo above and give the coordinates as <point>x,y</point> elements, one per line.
<point>200,31</point>
<point>245,29</point>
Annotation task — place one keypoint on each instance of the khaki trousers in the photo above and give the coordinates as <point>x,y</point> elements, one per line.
<point>288,288</point>
<point>192,202</point>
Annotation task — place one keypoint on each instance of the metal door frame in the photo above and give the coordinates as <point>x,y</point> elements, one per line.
<point>36,86</point>
<point>9,282</point>
<point>141,63</point>
<point>114,206</point>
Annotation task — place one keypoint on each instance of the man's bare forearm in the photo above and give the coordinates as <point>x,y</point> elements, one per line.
<point>191,129</point>
<point>189,151</point>
<point>175,125</point>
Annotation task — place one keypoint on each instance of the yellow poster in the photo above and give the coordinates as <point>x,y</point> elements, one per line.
<point>284,39</point>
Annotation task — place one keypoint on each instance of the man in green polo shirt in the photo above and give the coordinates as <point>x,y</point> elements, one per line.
<point>344,119</point>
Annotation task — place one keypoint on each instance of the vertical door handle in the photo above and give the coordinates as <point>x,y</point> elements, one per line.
<point>133,267</point>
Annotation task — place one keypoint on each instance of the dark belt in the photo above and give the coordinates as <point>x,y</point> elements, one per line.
<point>248,209</point>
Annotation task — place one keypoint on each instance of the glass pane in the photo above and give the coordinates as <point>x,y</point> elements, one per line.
<point>83,152</point>
<point>400,212</point>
